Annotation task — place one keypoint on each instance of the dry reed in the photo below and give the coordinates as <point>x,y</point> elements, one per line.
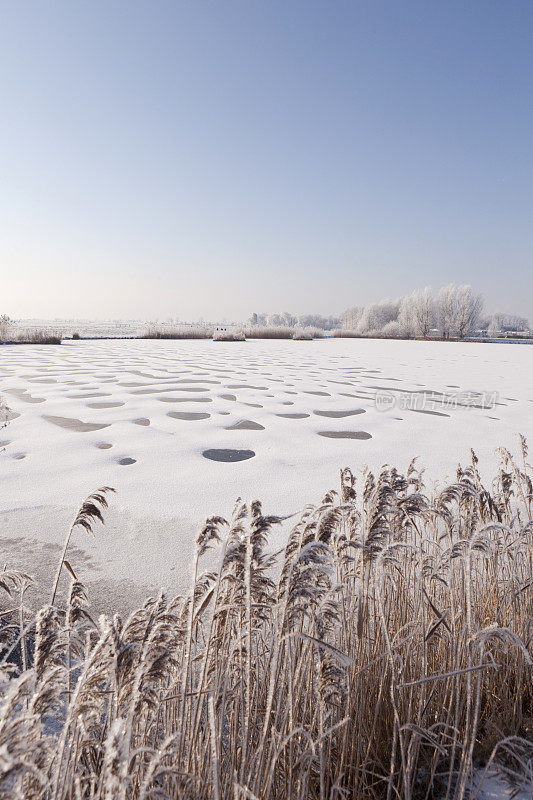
<point>383,654</point>
<point>180,332</point>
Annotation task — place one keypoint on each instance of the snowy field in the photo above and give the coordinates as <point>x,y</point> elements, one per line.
<point>164,423</point>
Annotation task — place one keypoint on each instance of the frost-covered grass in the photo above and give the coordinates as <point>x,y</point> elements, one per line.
<point>32,336</point>
<point>282,332</point>
<point>381,654</point>
<point>179,332</point>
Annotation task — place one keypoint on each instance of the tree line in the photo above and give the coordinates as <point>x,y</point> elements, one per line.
<point>454,312</point>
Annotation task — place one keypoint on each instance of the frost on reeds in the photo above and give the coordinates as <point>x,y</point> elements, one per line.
<point>282,332</point>
<point>18,335</point>
<point>385,652</point>
<point>179,332</point>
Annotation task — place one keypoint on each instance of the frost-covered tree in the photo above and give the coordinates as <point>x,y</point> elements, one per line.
<point>458,311</point>
<point>446,310</point>
<point>405,321</point>
<point>5,324</point>
<point>318,321</point>
<point>376,315</point>
<point>468,310</point>
<point>351,317</point>
<point>393,330</point>
<point>503,323</point>
<point>422,308</point>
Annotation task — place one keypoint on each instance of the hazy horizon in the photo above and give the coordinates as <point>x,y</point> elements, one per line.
<point>191,160</point>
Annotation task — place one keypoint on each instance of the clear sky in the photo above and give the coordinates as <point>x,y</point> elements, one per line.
<point>211,158</point>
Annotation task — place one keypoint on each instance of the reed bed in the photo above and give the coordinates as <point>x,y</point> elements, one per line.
<point>33,336</point>
<point>386,652</point>
<point>282,332</point>
<point>180,332</point>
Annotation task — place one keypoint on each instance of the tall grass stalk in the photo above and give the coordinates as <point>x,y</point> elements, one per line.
<point>384,654</point>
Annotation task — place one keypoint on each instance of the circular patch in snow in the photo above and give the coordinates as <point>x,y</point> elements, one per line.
<point>339,414</point>
<point>246,425</point>
<point>190,415</point>
<point>345,434</point>
<point>228,455</point>
<point>106,404</point>
<point>125,461</point>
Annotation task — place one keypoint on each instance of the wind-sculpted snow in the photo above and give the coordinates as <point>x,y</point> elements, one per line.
<point>174,415</point>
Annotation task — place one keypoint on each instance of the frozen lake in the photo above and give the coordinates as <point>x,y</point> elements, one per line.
<point>182,428</point>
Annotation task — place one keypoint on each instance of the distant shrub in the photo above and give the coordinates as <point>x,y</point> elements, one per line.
<point>302,334</point>
<point>228,335</point>
<point>75,336</point>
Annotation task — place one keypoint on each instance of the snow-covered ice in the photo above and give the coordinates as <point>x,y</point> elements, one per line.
<point>182,428</point>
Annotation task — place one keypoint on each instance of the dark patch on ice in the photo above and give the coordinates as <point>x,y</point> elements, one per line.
<point>104,445</point>
<point>185,399</point>
<point>86,395</point>
<point>321,394</point>
<point>108,404</point>
<point>345,434</point>
<point>183,380</point>
<point>427,411</point>
<point>228,455</point>
<point>170,389</point>
<point>24,395</point>
<point>247,386</point>
<point>126,461</point>
<point>246,425</point>
<point>339,414</point>
<point>190,415</point>
<point>77,425</point>
<point>293,416</point>
<point>141,421</point>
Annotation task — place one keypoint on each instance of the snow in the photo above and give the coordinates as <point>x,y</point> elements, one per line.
<point>100,413</point>
<point>491,785</point>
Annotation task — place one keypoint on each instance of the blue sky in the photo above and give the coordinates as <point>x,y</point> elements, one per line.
<point>210,159</point>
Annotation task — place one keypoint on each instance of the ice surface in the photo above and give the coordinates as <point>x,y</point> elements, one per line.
<point>63,442</point>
